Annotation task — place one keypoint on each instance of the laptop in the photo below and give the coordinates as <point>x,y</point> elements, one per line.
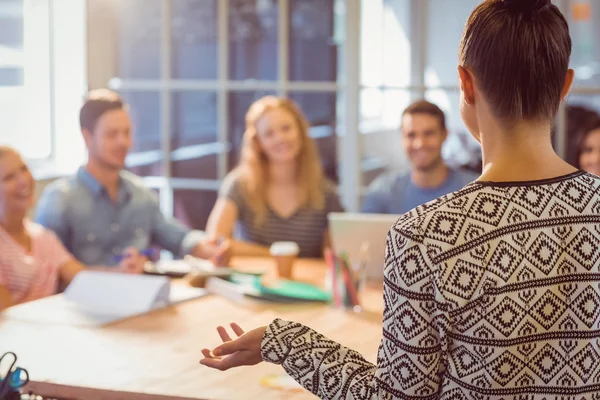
<point>350,231</point>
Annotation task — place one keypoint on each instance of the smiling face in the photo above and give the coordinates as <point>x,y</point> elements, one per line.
<point>111,139</point>
<point>422,138</point>
<point>589,159</point>
<point>279,136</point>
<point>16,183</point>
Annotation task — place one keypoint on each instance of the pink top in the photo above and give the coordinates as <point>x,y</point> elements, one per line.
<point>31,275</point>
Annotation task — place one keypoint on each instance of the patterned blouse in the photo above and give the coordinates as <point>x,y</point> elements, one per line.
<point>491,292</point>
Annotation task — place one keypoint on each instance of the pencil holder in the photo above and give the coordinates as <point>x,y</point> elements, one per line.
<point>344,282</point>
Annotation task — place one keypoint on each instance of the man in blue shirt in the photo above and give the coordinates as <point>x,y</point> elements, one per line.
<point>423,134</point>
<point>104,209</point>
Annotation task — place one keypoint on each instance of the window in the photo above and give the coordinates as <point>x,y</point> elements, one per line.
<point>584,98</point>
<point>189,70</point>
<point>584,24</point>
<point>42,80</point>
<point>386,82</point>
<point>409,52</point>
<point>25,77</point>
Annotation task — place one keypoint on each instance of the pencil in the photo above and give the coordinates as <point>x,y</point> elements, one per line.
<point>329,258</point>
<point>349,283</point>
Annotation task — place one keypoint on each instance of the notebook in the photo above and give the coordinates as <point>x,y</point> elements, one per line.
<point>239,286</point>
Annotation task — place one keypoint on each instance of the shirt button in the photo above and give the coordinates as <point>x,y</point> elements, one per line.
<point>91,237</point>
<point>114,227</point>
<point>116,250</point>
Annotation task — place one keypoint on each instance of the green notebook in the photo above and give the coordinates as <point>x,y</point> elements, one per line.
<point>283,291</point>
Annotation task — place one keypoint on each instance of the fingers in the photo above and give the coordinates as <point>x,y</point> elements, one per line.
<point>223,364</point>
<point>133,265</point>
<point>223,334</point>
<point>236,329</point>
<point>223,254</point>
<point>244,350</point>
<point>229,347</point>
<point>234,345</point>
<point>207,354</point>
<point>131,252</point>
<point>217,258</point>
<point>213,363</point>
<point>210,242</point>
<point>132,261</point>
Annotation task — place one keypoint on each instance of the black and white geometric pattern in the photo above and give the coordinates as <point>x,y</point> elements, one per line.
<point>491,292</point>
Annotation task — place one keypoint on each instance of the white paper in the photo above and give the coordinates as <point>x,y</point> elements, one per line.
<point>60,310</point>
<point>118,294</point>
<point>188,265</point>
<point>56,310</point>
<point>181,293</point>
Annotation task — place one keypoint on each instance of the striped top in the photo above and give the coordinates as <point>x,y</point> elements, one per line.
<point>306,226</point>
<point>491,292</point>
<point>31,275</point>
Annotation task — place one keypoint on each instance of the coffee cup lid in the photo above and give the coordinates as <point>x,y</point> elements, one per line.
<point>284,249</point>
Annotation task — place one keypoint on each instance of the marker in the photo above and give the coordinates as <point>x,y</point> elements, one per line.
<point>146,252</point>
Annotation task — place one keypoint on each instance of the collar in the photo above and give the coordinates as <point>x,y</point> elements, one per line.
<point>97,189</point>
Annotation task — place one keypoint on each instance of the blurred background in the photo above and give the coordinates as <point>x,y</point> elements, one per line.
<point>189,69</point>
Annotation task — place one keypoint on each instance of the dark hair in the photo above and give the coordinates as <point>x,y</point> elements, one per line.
<point>519,52</point>
<point>97,103</point>
<point>580,122</point>
<point>425,107</point>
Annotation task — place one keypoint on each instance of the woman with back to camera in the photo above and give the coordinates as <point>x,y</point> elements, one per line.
<point>278,192</point>
<point>583,134</point>
<point>33,261</point>
<point>492,291</point>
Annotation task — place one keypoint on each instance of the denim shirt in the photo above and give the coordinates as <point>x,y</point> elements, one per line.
<point>95,229</point>
<point>394,193</point>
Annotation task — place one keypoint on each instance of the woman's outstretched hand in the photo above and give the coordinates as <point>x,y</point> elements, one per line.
<point>244,350</point>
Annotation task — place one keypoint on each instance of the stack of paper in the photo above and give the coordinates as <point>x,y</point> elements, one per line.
<point>98,298</point>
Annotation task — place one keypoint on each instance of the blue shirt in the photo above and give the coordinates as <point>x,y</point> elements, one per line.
<point>95,229</point>
<point>394,193</point>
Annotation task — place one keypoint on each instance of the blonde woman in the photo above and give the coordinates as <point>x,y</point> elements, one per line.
<point>33,261</point>
<point>278,191</point>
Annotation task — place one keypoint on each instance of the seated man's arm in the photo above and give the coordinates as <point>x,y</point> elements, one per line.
<point>172,235</point>
<point>51,213</point>
<point>69,267</point>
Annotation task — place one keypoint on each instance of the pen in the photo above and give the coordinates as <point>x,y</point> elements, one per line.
<point>146,252</point>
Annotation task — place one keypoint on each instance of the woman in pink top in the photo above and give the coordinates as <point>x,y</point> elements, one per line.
<point>33,261</point>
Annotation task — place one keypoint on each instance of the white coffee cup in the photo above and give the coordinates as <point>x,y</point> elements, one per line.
<point>285,254</point>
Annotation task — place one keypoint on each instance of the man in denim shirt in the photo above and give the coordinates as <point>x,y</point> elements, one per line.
<point>104,209</point>
<point>423,134</point>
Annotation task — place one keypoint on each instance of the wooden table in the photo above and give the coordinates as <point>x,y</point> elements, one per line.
<point>158,353</point>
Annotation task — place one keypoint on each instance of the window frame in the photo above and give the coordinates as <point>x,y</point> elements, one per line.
<point>68,84</point>
<point>345,86</point>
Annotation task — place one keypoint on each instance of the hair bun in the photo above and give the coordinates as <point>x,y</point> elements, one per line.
<point>526,6</point>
